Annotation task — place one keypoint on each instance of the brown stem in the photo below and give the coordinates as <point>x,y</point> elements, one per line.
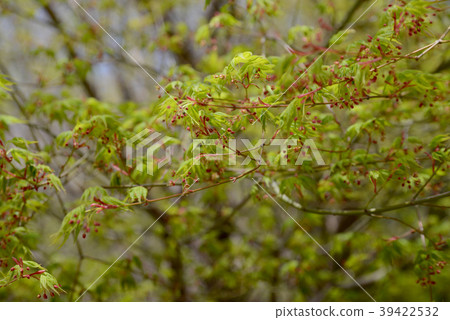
<point>373,211</point>
<point>233,179</point>
<point>426,182</point>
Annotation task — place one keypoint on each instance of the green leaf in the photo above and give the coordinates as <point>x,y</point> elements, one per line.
<point>354,130</point>
<point>288,115</point>
<point>202,34</point>
<point>137,194</point>
<point>5,84</point>
<point>63,138</point>
<point>55,182</point>
<point>7,119</point>
<point>21,142</point>
<point>439,139</point>
<point>32,264</point>
<point>223,19</point>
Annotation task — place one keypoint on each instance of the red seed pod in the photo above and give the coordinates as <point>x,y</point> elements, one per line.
<point>45,296</point>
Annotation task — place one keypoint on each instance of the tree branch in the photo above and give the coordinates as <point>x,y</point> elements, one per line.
<point>370,211</point>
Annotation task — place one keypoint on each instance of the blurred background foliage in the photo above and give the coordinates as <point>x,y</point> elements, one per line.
<point>230,242</point>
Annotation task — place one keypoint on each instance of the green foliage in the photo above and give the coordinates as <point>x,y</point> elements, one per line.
<point>375,105</point>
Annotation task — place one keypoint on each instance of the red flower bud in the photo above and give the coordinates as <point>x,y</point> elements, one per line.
<point>39,272</point>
